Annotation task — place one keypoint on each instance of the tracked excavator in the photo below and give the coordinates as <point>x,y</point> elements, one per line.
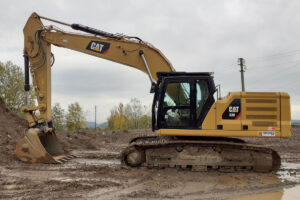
<point>194,130</point>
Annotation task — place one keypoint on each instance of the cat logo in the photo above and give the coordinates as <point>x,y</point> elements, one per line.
<point>99,47</point>
<point>96,46</point>
<point>234,109</point>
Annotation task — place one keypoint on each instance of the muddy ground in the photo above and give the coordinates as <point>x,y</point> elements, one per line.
<point>97,173</point>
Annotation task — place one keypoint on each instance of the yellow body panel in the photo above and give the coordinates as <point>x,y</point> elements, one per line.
<point>263,114</point>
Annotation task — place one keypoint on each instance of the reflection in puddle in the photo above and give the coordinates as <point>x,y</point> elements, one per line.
<point>281,194</point>
<point>289,172</point>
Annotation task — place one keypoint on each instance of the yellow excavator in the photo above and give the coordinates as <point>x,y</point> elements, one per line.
<point>195,131</point>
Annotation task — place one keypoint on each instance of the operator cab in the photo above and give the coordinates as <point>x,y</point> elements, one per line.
<point>182,100</point>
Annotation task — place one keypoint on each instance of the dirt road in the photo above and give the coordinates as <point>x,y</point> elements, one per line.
<point>97,173</point>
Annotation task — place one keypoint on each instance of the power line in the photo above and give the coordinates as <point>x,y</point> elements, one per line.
<point>275,64</point>
<point>276,55</point>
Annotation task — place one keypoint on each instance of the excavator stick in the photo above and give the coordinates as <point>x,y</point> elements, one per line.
<point>41,147</point>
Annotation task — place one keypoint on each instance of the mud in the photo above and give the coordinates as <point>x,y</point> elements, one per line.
<point>97,173</point>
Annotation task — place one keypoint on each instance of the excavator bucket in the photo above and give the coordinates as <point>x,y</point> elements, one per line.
<point>40,147</point>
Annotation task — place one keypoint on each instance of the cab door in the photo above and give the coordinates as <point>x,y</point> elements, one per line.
<point>176,105</point>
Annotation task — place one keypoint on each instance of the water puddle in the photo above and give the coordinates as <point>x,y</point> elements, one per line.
<point>70,179</point>
<point>286,165</point>
<point>90,158</point>
<point>97,161</point>
<point>289,172</point>
<point>280,194</point>
<point>86,152</point>
<point>10,187</point>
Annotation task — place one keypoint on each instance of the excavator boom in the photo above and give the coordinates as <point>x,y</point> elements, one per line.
<point>40,143</point>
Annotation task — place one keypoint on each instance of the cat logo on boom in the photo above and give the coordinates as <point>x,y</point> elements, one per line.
<point>99,47</point>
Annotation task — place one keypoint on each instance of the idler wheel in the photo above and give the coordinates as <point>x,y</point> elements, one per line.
<point>135,158</point>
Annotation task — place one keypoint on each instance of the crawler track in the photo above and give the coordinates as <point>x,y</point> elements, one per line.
<point>201,154</point>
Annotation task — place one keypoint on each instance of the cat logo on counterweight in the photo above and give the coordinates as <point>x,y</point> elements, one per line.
<point>233,111</point>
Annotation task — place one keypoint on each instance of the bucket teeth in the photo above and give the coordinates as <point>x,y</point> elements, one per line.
<point>65,159</point>
<point>59,162</point>
<point>41,147</point>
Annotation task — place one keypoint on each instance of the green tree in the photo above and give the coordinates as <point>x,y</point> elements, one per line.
<point>58,116</point>
<point>75,117</point>
<point>12,87</point>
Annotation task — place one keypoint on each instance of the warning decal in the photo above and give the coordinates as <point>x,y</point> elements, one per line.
<point>266,133</point>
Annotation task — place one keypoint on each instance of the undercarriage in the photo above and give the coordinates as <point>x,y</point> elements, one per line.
<point>199,154</point>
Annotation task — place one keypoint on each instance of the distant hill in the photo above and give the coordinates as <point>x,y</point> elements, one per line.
<point>295,122</point>
<point>99,125</point>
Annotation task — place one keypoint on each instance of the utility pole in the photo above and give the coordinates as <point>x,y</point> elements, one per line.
<point>95,117</point>
<point>241,63</point>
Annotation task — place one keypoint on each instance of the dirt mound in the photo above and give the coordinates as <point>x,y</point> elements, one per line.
<point>10,121</point>
<point>11,130</point>
<point>94,140</point>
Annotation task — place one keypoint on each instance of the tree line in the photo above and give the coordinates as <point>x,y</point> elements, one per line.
<point>130,116</point>
<point>133,115</point>
<point>13,94</point>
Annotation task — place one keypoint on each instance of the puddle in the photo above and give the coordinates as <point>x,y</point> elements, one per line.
<point>103,151</point>
<point>286,165</point>
<point>10,187</point>
<point>97,161</point>
<point>69,179</point>
<point>281,194</point>
<point>83,159</point>
<point>289,172</point>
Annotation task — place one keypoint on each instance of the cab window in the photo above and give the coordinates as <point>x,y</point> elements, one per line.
<point>177,107</point>
<point>202,94</point>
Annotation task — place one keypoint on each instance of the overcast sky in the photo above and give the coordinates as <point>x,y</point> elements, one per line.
<point>195,36</point>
